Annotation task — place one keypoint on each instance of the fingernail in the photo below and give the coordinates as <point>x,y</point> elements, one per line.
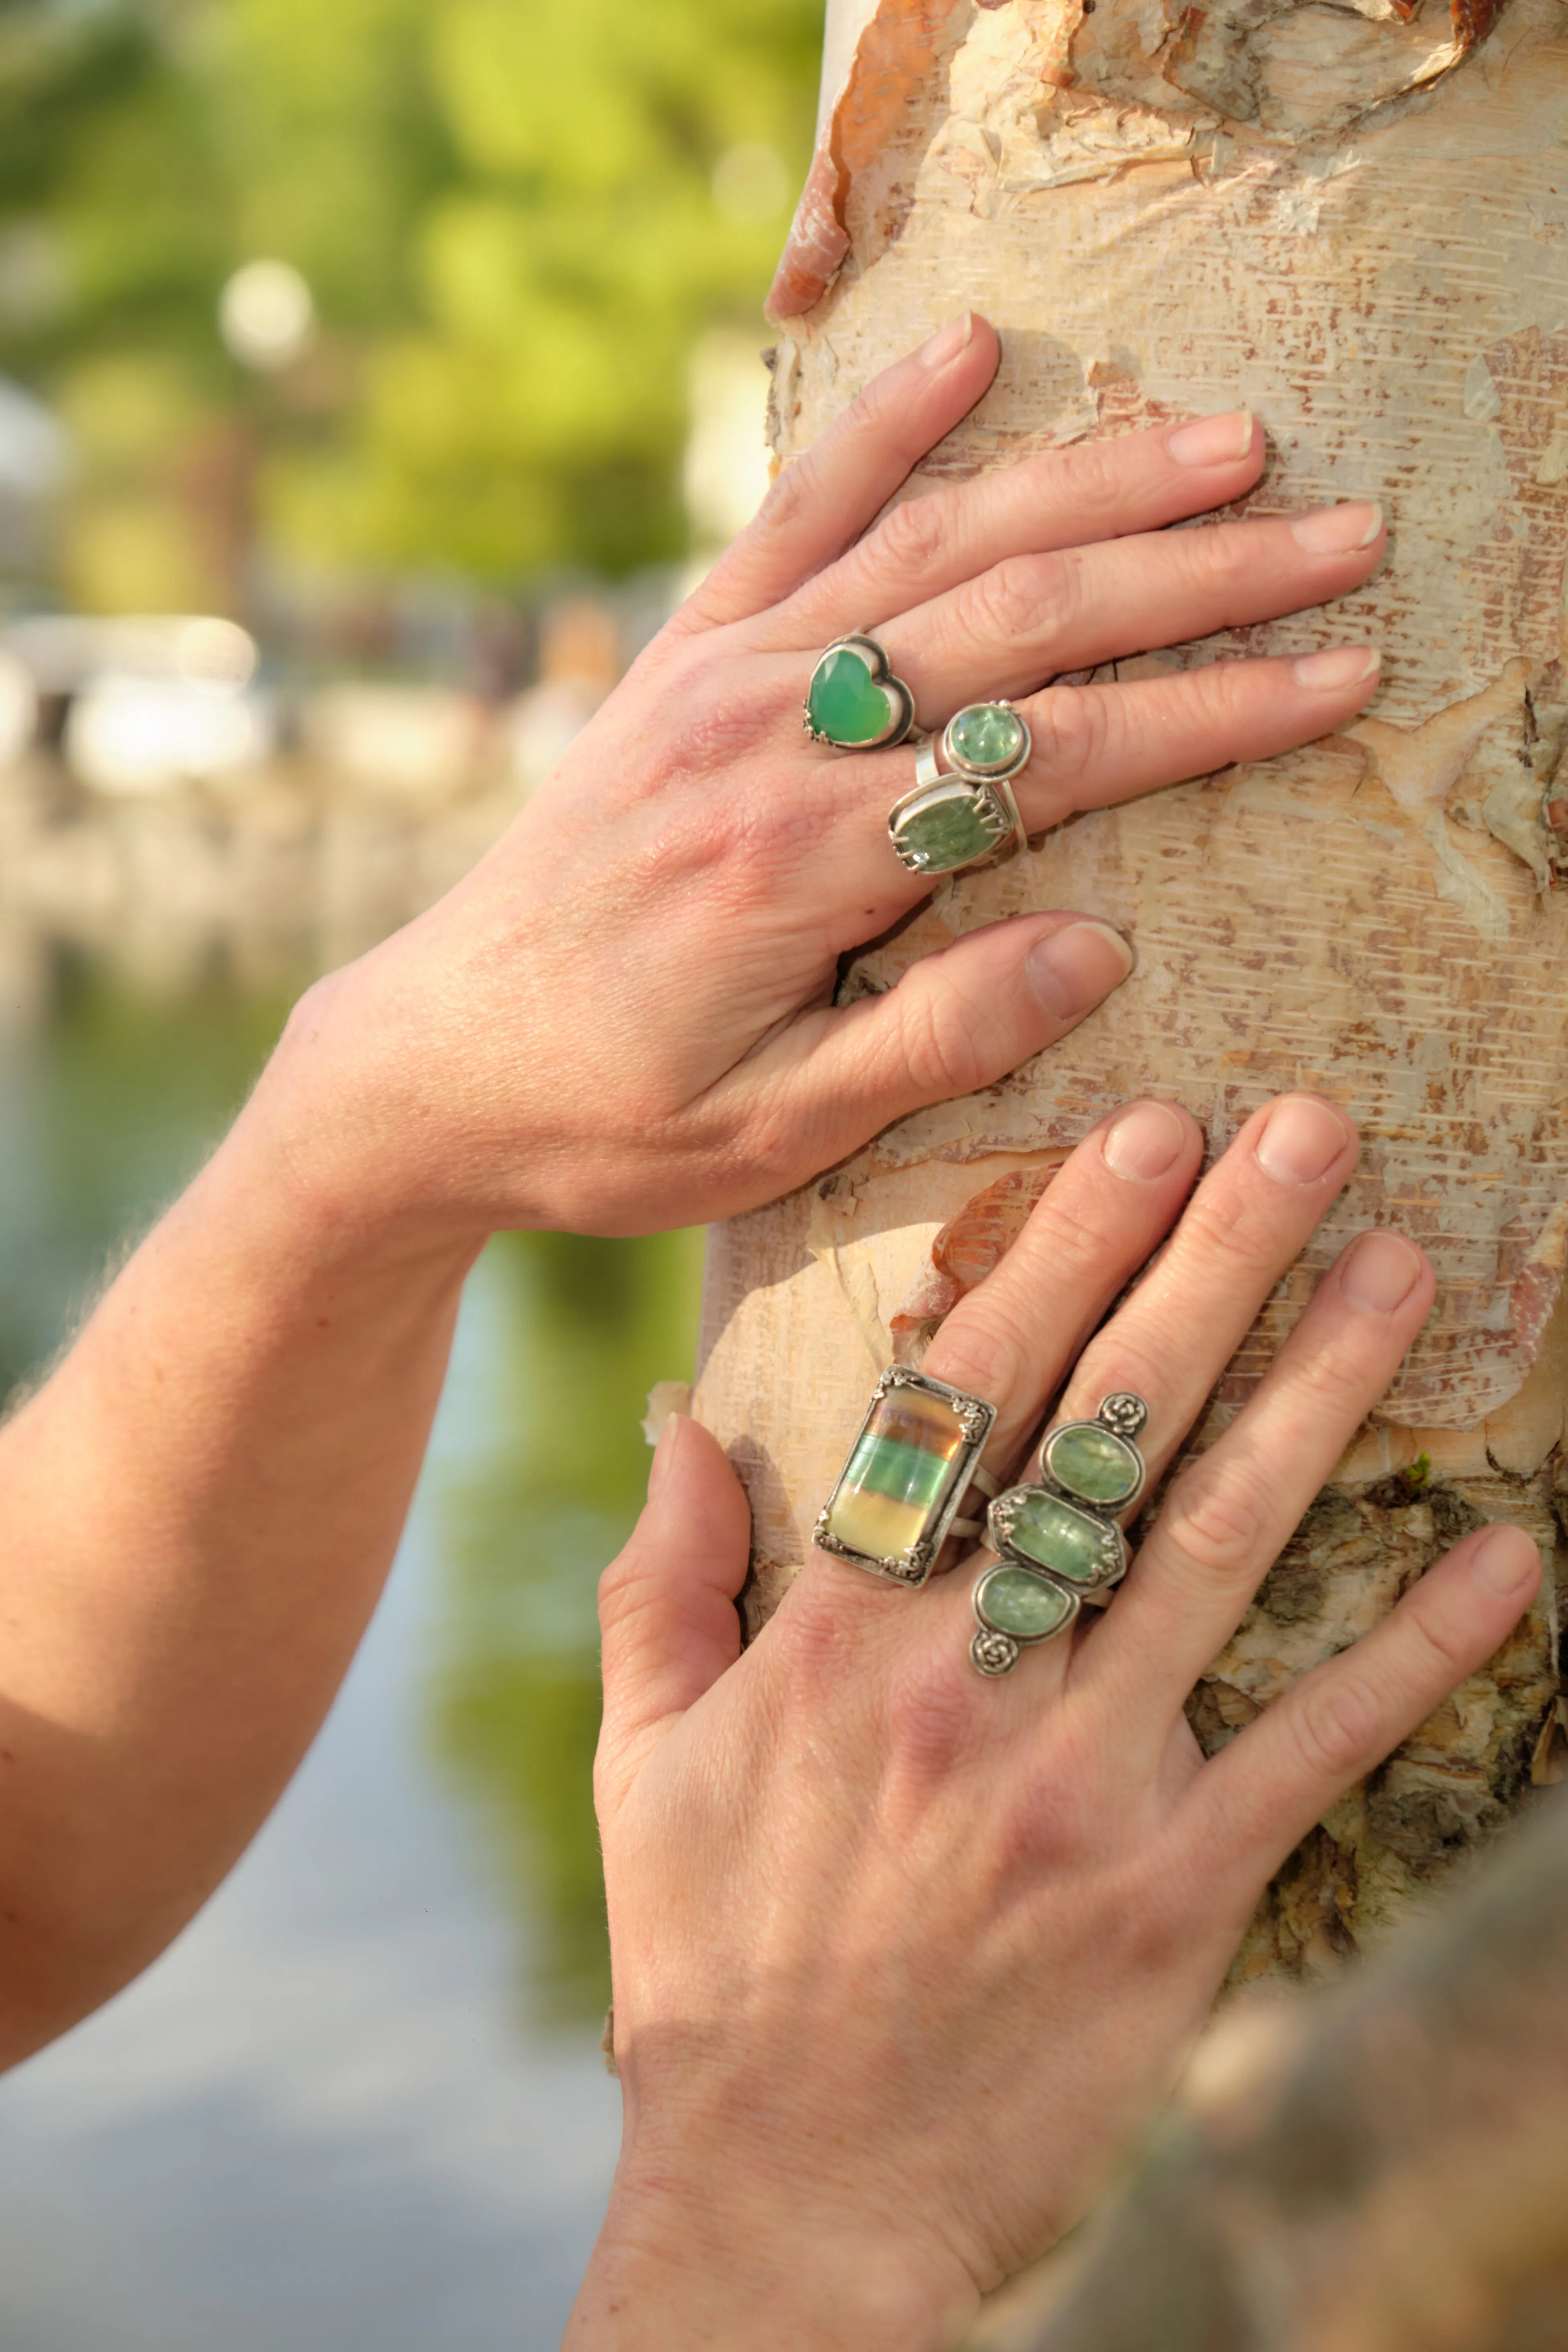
<point>1380,1271</point>
<point>664,1452</point>
<point>948,342</point>
<point>1301,1141</point>
<point>1334,530</point>
<point>1146,1141</point>
<point>1505,1560</point>
<point>1212,440</point>
<point>1338,666</point>
<point>1073,969</point>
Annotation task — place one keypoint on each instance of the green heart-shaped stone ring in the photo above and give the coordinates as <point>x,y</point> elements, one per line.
<point>854,701</point>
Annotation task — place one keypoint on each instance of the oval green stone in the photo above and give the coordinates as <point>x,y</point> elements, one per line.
<point>1069,1542</point>
<point>1014,1600</point>
<point>1093,1462</point>
<point>987,736</point>
<point>952,826</point>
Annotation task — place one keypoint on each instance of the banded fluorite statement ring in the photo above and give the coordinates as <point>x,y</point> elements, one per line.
<point>899,1497</point>
<point>1058,1543</point>
<point>967,813</point>
<point>854,701</point>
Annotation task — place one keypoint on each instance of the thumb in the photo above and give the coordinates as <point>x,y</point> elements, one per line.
<point>957,1021</point>
<point>666,1605</point>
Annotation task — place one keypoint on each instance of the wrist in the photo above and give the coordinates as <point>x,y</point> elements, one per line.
<point>329,1150</point>
<point>710,2266</point>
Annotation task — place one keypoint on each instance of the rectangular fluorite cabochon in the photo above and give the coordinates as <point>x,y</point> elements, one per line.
<point>901,1482</point>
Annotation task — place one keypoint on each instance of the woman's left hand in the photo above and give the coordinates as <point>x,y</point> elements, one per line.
<point>622,1018</point>
<point>902,1956</point>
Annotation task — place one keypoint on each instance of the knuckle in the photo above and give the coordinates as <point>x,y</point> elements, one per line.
<point>1096,483</point>
<point>1438,1645</point>
<point>1219,1518</point>
<point>790,500</point>
<point>1336,1725</point>
<point>915,537</point>
<point>1224,556</point>
<point>1071,726</point>
<point>930,1718</point>
<point>1021,598</point>
<point>1222,1225</point>
<point>942,1043</point>
<point>985,1348</point>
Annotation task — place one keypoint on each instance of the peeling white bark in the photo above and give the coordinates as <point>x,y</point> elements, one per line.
<point>1346,221</point>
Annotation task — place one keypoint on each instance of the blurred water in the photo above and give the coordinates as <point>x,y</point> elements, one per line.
<point>360,2103</point>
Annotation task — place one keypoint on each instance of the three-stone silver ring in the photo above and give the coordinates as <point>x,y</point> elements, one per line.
<point>1058,1542</point>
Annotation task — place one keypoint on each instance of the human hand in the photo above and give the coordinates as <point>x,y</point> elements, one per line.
<point>901,1956</point>
<point>622,1018</point>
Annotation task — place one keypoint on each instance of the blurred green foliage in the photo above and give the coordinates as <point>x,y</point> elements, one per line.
<point>516,217</point>
<point>545,1502</point>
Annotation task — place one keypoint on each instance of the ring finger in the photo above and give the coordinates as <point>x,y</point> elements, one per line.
<point>1092,746</point>
<point>1034,617</point>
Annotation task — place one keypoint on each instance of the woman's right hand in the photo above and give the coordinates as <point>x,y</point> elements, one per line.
<point>622,1019</point>
<point>902,1956</point>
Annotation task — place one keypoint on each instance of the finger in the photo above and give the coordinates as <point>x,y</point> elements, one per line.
<point>1092,746</point>
<point>823,500</point>
<point>1247,1225</point>
<point>1033,616</point>
<point>1013,1337</point>
<point>1265,1790</point>
<point>667,1606</point>
<point>1226,1518</point>
<point>1065,497</point>
<point>957,1021</point>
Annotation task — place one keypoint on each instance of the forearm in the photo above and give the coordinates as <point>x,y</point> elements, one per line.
<point>197,1514</point>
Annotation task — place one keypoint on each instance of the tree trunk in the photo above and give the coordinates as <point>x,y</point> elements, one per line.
<point>1356,221</point>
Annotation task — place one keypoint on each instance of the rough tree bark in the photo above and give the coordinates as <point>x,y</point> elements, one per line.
<point>1355,218</point>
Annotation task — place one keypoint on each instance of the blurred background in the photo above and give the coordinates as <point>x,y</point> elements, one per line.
<point>373,380</point>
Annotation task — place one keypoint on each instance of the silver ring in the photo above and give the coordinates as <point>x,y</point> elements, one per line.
<point>965,814</point>
<point>1058,1543</point>
<point>854,701</point>
<point>914,1460</point>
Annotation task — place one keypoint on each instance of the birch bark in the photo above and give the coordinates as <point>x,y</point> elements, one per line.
<point>1356,220</point>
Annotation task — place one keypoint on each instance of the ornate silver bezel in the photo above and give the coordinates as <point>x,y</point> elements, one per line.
<point>914,1566</point>
<point>1070,1494</point>
<point>1022,1641</point>
<point>899,695</point>
<point>996,819</point>
<point>1000,1520</point>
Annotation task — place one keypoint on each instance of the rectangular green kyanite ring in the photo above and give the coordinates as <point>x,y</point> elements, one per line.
<point>900,1488</point>
<point>951,824</point>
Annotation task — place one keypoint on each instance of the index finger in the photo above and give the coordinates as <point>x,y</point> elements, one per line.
<point>1092,490</point>
<point>823,502</point>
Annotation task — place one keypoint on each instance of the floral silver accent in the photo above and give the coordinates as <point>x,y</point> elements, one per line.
<point>993,1654</point>
<point>1123,1412</point>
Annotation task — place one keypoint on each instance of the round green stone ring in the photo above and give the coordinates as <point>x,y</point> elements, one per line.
<point>1059,1543</point>
<point>986,742</point>
<point>854,701</point>
<point>964,813</point>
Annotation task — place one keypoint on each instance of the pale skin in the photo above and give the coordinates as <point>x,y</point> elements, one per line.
<point>903,1956</point>
<point>620,1021</point>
